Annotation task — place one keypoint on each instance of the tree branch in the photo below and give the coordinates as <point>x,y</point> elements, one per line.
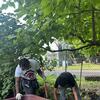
<point>80,38</point>
<point>86,46</point>
<point>90,44</point>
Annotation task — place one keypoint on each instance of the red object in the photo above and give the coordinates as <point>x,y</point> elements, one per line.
<point>29,97</point>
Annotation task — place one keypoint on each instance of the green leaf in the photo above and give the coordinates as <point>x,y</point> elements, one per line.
<point>4,6</point>
<point>46,7</point>
<point>12,4</point>
<point>26,50</point>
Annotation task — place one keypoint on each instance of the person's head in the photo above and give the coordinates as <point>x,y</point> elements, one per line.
<point>24,63</point>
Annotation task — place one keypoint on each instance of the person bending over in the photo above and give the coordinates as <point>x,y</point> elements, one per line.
<point>66,80</point>
<point>25,74</point>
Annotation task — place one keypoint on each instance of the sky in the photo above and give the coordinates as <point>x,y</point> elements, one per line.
<point>9,10</point>
<point>1,1</point>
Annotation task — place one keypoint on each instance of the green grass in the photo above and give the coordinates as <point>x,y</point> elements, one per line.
<point>88,84</point>
<point>86,66</point>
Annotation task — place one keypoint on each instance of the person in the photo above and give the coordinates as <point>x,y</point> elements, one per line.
<point>64,81</point>
<point>25,74</point>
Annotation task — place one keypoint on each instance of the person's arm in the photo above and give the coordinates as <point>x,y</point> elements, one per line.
<point>40,72</point>
<point>75,93</point>
<point>55,94</point>
<point>17,78</point>
<point>74,86</point>
<point>17,84</point>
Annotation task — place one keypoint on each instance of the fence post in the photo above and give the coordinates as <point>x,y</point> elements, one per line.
<point>81,74</point>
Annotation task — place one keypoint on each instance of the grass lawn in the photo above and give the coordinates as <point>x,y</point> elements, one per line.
<point>86,66</point>
<point>88,84</point>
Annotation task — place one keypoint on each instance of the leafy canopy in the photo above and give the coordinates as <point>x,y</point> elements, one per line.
<point>74,21</point>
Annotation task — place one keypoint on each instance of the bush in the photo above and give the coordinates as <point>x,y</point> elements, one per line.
<point>7,82</point>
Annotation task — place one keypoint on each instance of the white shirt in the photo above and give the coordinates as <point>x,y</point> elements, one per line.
<point>27,73</point>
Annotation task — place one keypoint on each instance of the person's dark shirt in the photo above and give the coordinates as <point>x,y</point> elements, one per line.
<point>65,79</point>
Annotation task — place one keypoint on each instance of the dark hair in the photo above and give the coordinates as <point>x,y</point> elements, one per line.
<point>24,63</point>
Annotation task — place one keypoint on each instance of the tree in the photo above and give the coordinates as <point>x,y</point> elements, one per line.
<point>8,53</point>
<point>75,21</point>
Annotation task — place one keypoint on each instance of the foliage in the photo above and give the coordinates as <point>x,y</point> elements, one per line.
<point>8,53</point>
<point>50,64</point>
<point>50,80</point>
<point>7,81</point>
<point>75,21</point>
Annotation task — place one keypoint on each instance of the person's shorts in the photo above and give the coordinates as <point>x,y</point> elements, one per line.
<point>29,86</point>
